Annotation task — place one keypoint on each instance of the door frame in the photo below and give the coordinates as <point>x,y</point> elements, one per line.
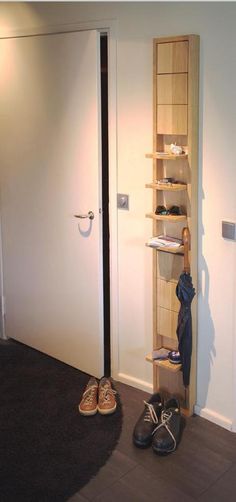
<point>109,27</point>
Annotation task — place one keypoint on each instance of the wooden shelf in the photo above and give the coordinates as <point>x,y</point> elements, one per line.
<point>165,217</point>
<point>177,250</point>
<point>165,156</point>
<point>175,187</point>
<point>165,364</point>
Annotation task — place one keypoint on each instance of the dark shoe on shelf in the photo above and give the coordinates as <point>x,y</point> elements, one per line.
<point>174,357</point>
<point>167,433</point>
<point>147,422</point>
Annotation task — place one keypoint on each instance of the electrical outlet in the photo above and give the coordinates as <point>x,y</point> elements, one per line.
<point>229,230</point>
<point>123,201</point>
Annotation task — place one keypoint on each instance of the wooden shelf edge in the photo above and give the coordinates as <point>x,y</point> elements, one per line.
<point>168,156</point>
<point>171,217</point>
<point>175,187</point>
<point>179,250</point>
<point>166,365</point>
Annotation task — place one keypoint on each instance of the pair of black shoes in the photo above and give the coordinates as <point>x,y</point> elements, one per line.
<point>158,425</point>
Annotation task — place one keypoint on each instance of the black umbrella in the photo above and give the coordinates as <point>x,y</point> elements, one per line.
<point>185,293</point>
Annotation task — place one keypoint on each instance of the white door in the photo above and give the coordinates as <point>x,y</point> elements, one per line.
<point>50,171</point>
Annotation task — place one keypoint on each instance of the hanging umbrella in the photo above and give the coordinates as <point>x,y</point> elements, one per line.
<point>185,293</point>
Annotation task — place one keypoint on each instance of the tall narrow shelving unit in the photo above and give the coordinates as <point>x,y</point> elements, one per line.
<point>175,120</point>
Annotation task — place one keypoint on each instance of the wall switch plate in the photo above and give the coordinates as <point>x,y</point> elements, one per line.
<point>229,230</point>
<point>123,201</point>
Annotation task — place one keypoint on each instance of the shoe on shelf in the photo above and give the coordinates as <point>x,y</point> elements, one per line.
<point>174,357</point>
<point>106,397</point>
<point>89,402</point>
<point>167,433</point>
<point>147,422</point>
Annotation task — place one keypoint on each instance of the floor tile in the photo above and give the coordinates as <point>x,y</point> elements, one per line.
<point>223,490</point>
<point>214,437</point>
<point>191,468</point>
<point>139,485</point>
<point>118,465</point>
<point>77,498</point>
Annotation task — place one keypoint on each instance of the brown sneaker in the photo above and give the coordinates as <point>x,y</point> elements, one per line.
<point>89,402</point>
<point>106,397</point>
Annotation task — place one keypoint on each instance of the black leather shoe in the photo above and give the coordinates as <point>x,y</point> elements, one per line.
<point>167,432</point>
<point>148,420</point>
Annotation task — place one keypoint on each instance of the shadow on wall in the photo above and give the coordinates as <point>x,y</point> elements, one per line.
<point>206,352</point>
<point>206,332</point>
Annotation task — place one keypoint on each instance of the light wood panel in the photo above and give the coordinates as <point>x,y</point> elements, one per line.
<point>166,322</point>
<point>172,89</point>
<point>171,384</point>
<point>166,295</point>
<point>172,57</point>
<point>169,343</point>
<point>172,119</point>
<point>169,267</point>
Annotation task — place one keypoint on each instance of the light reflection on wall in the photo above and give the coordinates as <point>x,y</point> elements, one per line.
<point>15,16</point>
<point>7,64</point>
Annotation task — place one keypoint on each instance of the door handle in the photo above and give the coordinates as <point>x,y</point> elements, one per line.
<point>89,215</point>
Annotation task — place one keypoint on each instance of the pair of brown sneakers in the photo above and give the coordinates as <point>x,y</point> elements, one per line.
<point>98,397</point>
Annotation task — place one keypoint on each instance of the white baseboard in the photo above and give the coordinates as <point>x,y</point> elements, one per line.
<point>206,413</point>
<point>135,382</point>
<point>214,417</point>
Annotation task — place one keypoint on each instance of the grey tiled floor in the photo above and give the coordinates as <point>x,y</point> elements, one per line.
<point>203,468</point>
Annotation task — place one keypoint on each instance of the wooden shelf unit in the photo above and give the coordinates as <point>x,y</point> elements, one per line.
<point>175,120</point>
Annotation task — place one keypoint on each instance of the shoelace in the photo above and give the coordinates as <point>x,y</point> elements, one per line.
<point>165,418</point>
<point>150,415</point>
<point>89,394</point>
<point>106,393</point>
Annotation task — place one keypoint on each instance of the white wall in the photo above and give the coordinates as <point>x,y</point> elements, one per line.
<point>138,23</point>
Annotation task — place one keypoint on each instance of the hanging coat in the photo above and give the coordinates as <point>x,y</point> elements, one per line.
<point>185,293</point>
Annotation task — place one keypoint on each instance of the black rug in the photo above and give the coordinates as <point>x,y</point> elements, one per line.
<point>48,451</point>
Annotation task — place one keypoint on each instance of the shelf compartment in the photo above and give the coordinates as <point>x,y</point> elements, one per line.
<point>166,296</point>
<point>175,187</point>
<point>167,321</point>
<point>172,119</point>
<point>172,89</point>
<point>165,217</point>
<point>165,156</point>
<point>172,57</point>
<point>174,368</point>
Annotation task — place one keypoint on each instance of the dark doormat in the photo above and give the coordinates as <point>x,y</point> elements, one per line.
<point>48,451</point>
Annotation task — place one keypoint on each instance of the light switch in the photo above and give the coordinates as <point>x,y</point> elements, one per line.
<point>229,230</point>
<point>123,201</point>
